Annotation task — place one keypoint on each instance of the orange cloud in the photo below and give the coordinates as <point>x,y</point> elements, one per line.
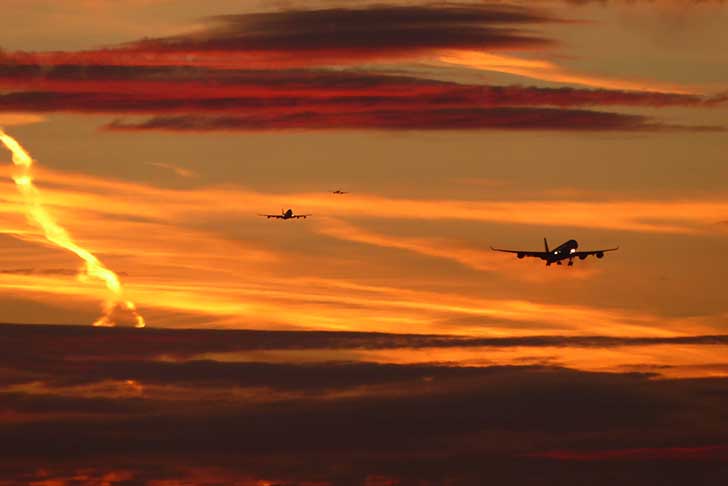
<point>667,361</point>
<point>11,119</point>
<point>77,192</point>
<point>335,304</point>
<point>177,265</point>
<point>548,71</point>
<point>476,258</point>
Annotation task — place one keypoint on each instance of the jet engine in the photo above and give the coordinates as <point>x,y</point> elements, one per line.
<point>521,255</point>
<point>582,257</point>
<point>600,255</point>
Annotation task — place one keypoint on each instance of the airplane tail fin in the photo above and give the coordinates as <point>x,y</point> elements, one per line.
<point>546,245</point>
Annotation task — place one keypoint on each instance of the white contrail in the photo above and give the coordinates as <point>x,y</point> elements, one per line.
<point>57,235</point>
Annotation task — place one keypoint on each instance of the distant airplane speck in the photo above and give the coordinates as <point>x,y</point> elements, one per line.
<point>339,191</point>
<point>567,250</point>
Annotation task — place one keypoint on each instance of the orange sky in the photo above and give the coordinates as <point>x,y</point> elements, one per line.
<point>159,131</point>
<point>175,213</point>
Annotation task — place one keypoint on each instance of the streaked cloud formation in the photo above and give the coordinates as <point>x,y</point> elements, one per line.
<point>226,281</point>
<point>380,341</point>
<point>238,68</point>
<point>548,71</point>
<point>252,421</point>
<point>324,36</point>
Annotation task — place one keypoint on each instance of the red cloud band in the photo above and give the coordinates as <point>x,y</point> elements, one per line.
<point>324,36</point>
<point>435,119</point>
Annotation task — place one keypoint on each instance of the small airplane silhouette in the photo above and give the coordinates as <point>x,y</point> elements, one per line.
<point>286,215</point>
<point>567,250</point>
<point>339,191</point>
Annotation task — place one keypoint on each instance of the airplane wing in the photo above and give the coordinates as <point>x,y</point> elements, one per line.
<point>598,253</point>
<point>521,254</point>
<point>304,216</point>
<point>277,216</point>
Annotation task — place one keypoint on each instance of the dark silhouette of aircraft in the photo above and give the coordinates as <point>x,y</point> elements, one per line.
<point>286,215</point>
<point>339,191</point>
<point>565,251</point>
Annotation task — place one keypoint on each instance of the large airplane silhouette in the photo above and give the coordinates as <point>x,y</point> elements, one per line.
<point>565,251</point>
<point>285,215</point>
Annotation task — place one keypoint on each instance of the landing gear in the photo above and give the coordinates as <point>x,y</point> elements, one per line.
<point>559,262</point>
<point>571,262</point>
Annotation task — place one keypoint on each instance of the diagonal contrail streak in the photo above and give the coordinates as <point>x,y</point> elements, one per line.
<point>57,235</point>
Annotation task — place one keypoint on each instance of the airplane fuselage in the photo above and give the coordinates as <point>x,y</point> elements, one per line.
<point>562,252</point>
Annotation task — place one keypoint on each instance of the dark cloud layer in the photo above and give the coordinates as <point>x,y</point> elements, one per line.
<point>371,470</point>
<point>79,87</point>
<point>716,452</point>
<point>59,340</point>
<point>375,28</point>
<point>325,36</point>
<point>194,82</point>
<point>105,395</point>
<point>433,119</point>
<point>194,99</point>
<point>107,89</point>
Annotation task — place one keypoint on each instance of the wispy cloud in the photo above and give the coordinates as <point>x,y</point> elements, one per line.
<point>179,267</point>
<point>202,99</point>
<point>180,171</point>
<point>545,70</point>
<point>12,119</point>
<point>78,193</point>
<point>480,259</point>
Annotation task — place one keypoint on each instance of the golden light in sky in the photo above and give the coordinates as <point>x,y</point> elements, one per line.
<point>380,341</point>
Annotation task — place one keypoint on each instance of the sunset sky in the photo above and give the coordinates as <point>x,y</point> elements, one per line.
<point>160,129</point>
